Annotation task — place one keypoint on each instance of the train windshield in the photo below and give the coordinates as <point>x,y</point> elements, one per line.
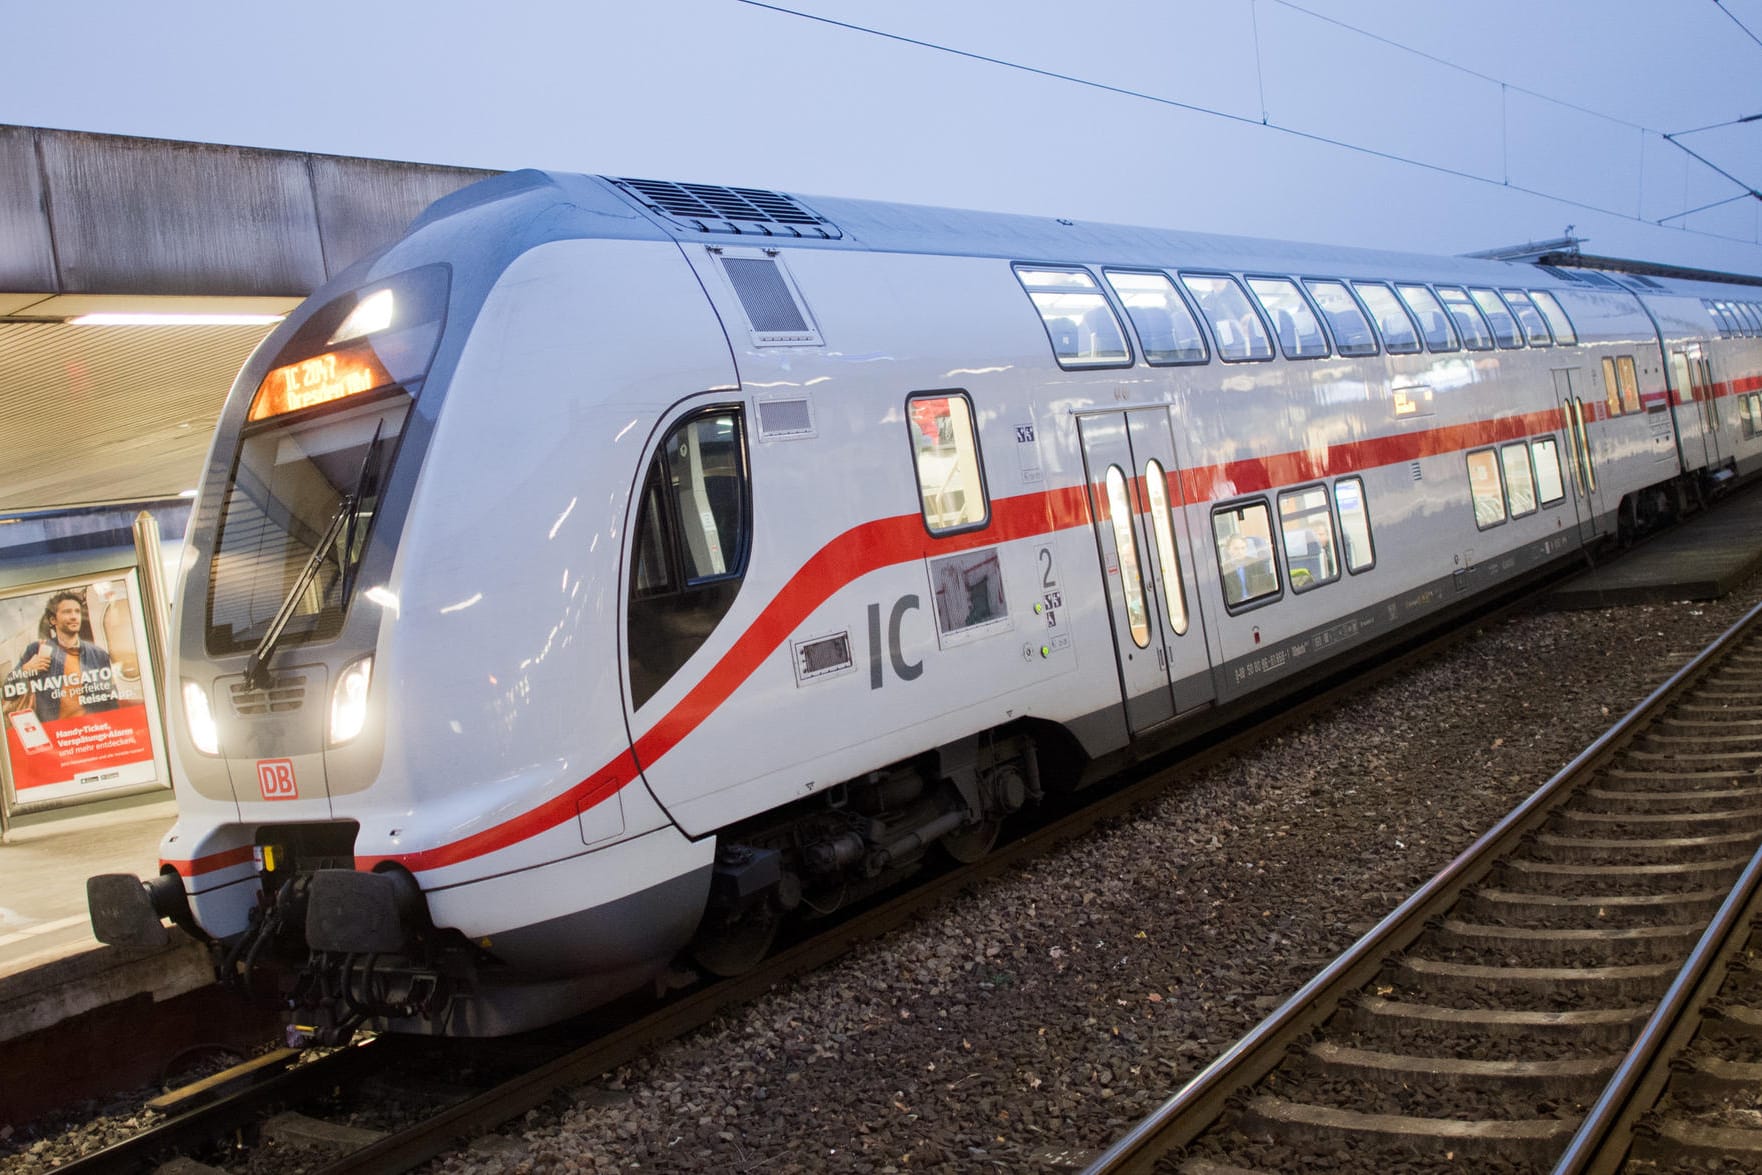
<point>293,485</point>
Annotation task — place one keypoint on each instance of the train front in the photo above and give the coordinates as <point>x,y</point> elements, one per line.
<point>405,786</point>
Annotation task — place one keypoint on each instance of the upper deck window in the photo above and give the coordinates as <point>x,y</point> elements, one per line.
<point>1399,336</point>
<point>1498,317</point>
<point>1239,332</point>
<point>1533,327</point>
<point>1558,322</point>
<point>1300,333</point>
<point>1079,322</point>
<point>1469,323</point>
<point>1167,331</point>
<point>1434,323</point>
<point>1352,332</point>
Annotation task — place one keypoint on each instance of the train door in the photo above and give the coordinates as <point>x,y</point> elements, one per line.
<point>1587,500</point>
<point>1691,379</point>
<point>1141,536</point>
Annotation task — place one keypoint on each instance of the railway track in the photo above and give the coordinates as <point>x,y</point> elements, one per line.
<point>314,1109</point>
<point>1542,999</point>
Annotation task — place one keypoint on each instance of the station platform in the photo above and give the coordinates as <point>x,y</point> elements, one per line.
<point>1704,558</point>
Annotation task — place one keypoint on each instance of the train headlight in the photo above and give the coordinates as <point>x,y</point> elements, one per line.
<point>199,717</point>
<point>348,701</point>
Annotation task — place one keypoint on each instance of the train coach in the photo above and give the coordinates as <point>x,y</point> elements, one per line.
<point>610,570</point>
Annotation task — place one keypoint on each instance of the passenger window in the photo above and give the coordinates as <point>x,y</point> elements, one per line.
<point>1299,331</point>
<point>1629,379</point>
<point>1078,320</point>
<point>1355,535</point>
<point>1168,556</point>
<point>1750,410</point>
<point>1125,541</point>
<point>1469,323</point>
<point>1352,333</point>
<point>1399,337</point>
<point>1307,526</point>
<point>1611,387</point>
<point>689,545</point>
<point>1531,319</point>
<point>1498,317</point>
<point>1549,486</point>
<point>1239,332</point>
<point>1520,484</point>
<point>1486,488</point>
<point>1166,329</point>
<point>1246,563</point>
<point>1430,316</point>
<point>951,482</point>
<point>1549,305</point>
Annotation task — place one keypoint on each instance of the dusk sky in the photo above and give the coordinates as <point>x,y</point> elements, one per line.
<point>1409,124</point>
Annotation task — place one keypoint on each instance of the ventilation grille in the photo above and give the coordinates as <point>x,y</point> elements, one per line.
<point>781,419</point>
<point>765,295</point>
<point>826,656</point>
<point>1584,277</point>
<point>706,208</point>
<point>284,696</point>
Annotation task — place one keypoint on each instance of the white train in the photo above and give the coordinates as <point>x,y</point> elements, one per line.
<point>611,569</point>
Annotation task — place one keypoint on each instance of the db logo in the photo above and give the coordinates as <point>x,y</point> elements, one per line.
<point>276,778</point>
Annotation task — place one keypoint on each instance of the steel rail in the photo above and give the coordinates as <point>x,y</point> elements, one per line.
<point>1198,1103</point>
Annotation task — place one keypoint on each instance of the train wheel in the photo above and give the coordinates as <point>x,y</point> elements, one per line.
<point>730,946</point>
<point>969,844</point>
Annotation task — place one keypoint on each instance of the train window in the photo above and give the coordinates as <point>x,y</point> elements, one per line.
<point>1239,332</point>
<point>1550,488</point>
<point>1629,379</point>
<point>1520,482</point>
<point>1433,323</point>
<point>1611,387</point>
<point>1168,556</point>
<point>1352,332</point>
<point>1246,563</point>
<point>1549,305</point>
<point>1079,322</point>
<point>1355,536</point>
<point>1476,335</point>
<point>1529,317</point>
<point>688,547</point>
<point>1300,333</point>
<point>1750,414</point>
<point>1486,488</point>
<point>1306,523</point>
<point>945,450</point>
<point>1399,337</point>
<point>1498,317</point>
<point>1125,541</point>
<point>1167,331</point>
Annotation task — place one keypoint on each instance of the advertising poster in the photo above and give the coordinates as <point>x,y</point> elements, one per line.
<point>77,693</point>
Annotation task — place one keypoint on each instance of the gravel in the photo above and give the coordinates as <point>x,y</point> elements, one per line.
<point>1041,1015</point>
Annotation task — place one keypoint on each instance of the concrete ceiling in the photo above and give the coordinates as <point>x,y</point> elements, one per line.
<point>94,223</point>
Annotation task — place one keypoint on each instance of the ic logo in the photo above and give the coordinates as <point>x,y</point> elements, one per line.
<point>275,777</point>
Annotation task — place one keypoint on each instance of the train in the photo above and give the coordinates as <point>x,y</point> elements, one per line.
<point>610,572</point>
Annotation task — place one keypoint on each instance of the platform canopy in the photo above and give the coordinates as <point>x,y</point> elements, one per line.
<point>103,397</point>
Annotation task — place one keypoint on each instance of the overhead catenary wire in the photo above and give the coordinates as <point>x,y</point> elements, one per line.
<point>1267,123</point>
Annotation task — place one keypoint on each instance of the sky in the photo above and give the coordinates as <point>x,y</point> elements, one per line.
<point>1407,124</point>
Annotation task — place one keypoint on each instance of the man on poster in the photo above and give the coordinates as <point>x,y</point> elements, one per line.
<point>65,675</point>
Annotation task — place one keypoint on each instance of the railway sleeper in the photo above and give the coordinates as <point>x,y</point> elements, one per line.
<point>1722,872</point>
<point>1576,1077</point>
<point>1377,1018</point>
<point>1554,910</point>
<point>1583,822</point>
<point>1729,1021</point>
<point>1318,1128</point>
<point>1673,1141</point>
<point>299,1130</point>
<point>1717,1076</point>
<point>1550,944</point>
<point>1598,799</point>
<point>1609,985</point>
<point>1594,851</point>
<point>1623,779</point>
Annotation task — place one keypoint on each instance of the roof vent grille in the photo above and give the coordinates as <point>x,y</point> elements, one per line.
<point>708,208</point>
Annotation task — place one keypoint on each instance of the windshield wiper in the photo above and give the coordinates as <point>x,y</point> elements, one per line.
<point>257,668</point>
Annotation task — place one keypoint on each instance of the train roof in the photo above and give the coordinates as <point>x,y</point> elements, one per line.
<point>730,216</point>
